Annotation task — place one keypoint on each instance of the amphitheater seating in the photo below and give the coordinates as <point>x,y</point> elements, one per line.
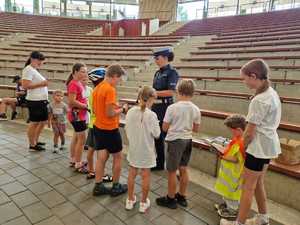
<point>235,24</point>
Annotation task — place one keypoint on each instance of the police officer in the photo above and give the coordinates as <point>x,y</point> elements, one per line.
<point>164,82</point>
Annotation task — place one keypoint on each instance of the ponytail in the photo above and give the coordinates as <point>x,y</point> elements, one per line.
<point>69,79</point>
<point>28,62</point>
<point>145,94</point>
<point>76,67</point>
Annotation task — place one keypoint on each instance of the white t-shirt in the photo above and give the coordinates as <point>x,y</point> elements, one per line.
<point>265,113</point>
<point>36,94</point>
<point>141,129</point>
<point>181,116</point>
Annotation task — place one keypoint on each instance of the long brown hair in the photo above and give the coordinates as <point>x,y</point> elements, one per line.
<point>145,94</point>
<point>76,67</point>
<point>260,69</point>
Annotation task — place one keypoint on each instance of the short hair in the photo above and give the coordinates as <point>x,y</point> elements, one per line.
<point>115,69</point>
<point>186,87</point>
<point>258,67</point>
<point>236,121</point>
<point>58,92</point>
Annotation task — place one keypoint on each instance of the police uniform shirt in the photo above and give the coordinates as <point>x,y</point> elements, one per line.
<point>165,79</point>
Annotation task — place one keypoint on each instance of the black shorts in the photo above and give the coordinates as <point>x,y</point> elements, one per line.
<point>38,111</point>
<point>79,126</point>
<point>108,139</point>
<point>255,164</point>
<point>90,140</point>
<point>21,101</point>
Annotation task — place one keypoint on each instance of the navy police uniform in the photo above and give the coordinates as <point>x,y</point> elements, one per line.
<point>165,78</point>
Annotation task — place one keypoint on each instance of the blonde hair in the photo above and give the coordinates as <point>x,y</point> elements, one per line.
<point>58,92</point>
<point>236,121</point>
<point>145,93</point>
<point>186,87</point>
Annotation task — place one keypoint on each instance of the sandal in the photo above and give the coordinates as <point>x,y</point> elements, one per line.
<point>107,178</point>
<point>83,170</point>
<point>71,164</point>
<point>90,175</point>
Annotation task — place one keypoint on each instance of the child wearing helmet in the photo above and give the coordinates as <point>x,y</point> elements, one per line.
<point>96,76</point>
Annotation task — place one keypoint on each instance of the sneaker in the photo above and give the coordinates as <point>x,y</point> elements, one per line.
<point>144,206</point>
<point>3,116</point>
<point>227,222</point>
<point>36,148</point>
<point>220,206</point>
<point>41,143</point>
<point>256,220</point>
<point>130,203</point>
<point>13,115</point>
<point>118,189</point>
<point>62,147</point>
<point>55,149</point>
<point>100,189</point>
<point>181,200</point>
<point>227,213</point>
<point>167,202</point>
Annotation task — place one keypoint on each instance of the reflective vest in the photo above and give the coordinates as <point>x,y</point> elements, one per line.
<point>229,179</point>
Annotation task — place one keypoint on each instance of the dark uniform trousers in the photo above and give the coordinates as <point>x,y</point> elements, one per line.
<point>160,110</point>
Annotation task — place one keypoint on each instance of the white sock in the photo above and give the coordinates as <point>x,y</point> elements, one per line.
<point>264,218</point>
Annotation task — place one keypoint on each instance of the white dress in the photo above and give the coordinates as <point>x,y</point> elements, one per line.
<point>141,129</point>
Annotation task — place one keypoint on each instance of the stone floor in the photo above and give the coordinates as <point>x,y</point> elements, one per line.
<point>40,188</point>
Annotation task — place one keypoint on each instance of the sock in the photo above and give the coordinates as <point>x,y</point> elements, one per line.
<point>264,218</point>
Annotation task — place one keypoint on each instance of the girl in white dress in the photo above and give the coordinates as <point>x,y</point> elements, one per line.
<point>142,127</point>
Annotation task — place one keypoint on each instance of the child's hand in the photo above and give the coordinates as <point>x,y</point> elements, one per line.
<point>49,125</point>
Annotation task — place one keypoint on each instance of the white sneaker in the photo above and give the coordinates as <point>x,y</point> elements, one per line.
<point>55,150</point>
<point>256,220</point>
<point>227,222</point>
<point>130,203</point>
<point>144,206</point>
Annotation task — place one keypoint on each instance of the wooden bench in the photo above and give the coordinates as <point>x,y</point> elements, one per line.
<point>219,78</point>
<point>233,51</point>
<point>239,58</point>
<point>185,66</point>
<point>253,44</point>
<point>254,39</point>
<point>258,35</point>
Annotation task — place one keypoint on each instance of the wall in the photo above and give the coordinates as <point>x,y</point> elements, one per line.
<point>163,10</point>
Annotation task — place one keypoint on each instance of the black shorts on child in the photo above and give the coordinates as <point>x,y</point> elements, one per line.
<point>108,139</point>
<point>255,164</point>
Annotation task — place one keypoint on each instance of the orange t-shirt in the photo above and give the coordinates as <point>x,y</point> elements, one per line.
<point>103,95</point>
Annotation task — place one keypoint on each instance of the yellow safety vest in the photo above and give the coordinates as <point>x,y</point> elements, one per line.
<point>229,179</point>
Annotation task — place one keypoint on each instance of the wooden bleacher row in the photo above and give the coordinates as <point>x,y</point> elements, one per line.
<point>50,56</point>
<point>239,58</point>
<point>92,47</point>
<point>82,50</point>
<point>292,171</point>
<point>251,44</point>
<point>233,51</point>
<point>94,37</point>
<point>48,43</point>
<point>213,78</point>
<point>254,39</point>
<point>258,35</point>
<point>186,66</point>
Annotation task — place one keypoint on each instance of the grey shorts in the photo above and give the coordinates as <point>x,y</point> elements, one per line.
<point>90,140</point>
<point>178,153</point>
